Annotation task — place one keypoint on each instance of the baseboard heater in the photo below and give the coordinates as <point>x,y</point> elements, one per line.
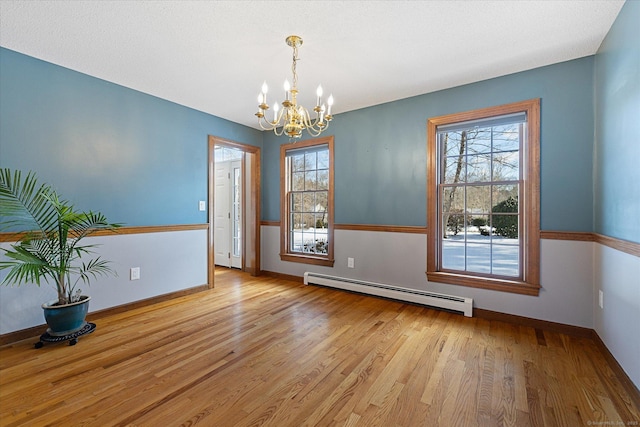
<point>430,299</point>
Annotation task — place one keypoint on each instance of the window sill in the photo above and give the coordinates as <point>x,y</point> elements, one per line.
<point>307,259</point>
<point>512,286</point>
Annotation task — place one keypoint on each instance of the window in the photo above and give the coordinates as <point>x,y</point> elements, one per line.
<point>306,223</point>
<point>483,198</point>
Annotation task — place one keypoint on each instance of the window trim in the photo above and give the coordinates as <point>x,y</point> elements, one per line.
<point>530,285</point>
<point>285,255</point>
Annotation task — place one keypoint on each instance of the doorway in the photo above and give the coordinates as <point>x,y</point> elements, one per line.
<point>227,221</point>
<point>234,206</point>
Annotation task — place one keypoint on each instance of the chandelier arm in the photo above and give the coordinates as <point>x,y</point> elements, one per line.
<point>263,127</point>
<point>311,125</point>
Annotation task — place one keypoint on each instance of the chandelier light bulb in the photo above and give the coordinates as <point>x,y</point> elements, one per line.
<point>265,89</point>
<point>329,103</point>
<point>287,88</point>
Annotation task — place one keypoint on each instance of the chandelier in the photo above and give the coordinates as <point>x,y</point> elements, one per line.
<point>292,119</point>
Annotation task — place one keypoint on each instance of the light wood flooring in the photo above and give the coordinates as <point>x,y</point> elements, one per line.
<point>269,352</point>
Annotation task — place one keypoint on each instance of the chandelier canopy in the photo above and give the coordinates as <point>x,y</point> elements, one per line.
<point>292,119</point>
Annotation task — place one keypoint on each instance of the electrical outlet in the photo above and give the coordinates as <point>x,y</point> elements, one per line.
<point>134,273</point>
<point>601,299</point>
<point>350,263</point>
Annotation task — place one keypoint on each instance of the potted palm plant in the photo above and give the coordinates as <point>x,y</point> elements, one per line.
<point>49,247</point>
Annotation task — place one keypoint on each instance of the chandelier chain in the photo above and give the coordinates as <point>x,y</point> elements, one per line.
<point>293,66</point>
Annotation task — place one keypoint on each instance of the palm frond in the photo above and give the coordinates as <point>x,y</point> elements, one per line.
<point>27,266</point>
<point>94,268</point>
<point>23,206</point>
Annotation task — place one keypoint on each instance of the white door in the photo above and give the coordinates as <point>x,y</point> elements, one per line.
<point>228,214</point>
<point>222,215</point>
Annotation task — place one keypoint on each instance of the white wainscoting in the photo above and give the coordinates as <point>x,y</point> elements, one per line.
<point>617,274</point>
<point>168,261</point>
<point>400,259</point>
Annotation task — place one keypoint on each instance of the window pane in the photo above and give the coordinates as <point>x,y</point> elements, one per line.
<point>310,180</point>
<point>297,163</point>
<point>310,161</point>
<point>479,255</point>
<point>505,198</point>
<point>479,168</point>
<point>307,242</point>
<point>308,220</point>
<point>506,166</point>
<point>506,138</point>
<point>452,211</point>
<point>320,221</point>
<point>505,225</point>
<point>453,254</point>
<point>297,181</point>
<point>453,198</point>
<point>308,202</point>
<point>322,201</point>
<point>323,180</point>
<point>479,225</point>
<point>322,241</point>
<point>478,199</point>
<point>506,260</point>
<point>478,140</point>
<point>296,202</point>
<point>454,169</point>
<point>296,221</point>
<point>452,143</point>
<point>323,159</point>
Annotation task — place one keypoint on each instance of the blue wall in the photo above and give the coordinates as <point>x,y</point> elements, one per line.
<point>380,152</point>
<point>142,160</point>
<point>617,158</point>
<point>138,159</point>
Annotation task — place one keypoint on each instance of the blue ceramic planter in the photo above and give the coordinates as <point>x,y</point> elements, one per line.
<point>66,319</point>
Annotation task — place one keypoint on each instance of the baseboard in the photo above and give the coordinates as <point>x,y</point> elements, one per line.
<point>620,374</point>
<point>22,334</point>
<point>38,330</point>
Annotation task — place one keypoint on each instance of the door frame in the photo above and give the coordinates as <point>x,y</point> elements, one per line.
<point>253,187</point>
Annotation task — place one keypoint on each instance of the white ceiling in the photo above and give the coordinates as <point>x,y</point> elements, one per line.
<point>214,55</point>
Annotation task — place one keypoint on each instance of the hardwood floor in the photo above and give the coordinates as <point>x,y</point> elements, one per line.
<point>264,351</point>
